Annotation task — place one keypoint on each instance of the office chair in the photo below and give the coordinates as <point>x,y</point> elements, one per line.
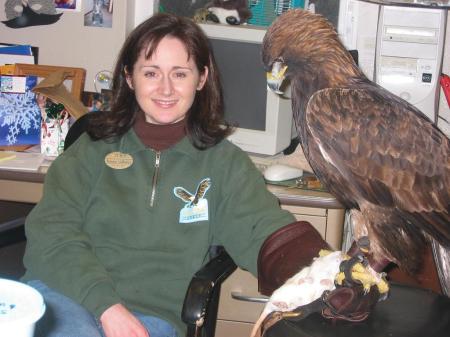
<point>75,130</point>
<point>202,296</point>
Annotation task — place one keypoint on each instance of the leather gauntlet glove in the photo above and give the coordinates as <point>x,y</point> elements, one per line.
<point>352,303</point>
<point>292,248</point>
<point>285,252</point>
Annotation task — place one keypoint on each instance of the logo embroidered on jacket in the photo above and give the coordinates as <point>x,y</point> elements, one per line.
<point>196,206</point>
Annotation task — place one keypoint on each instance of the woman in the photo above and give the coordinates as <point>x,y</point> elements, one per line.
<point>130,210</point>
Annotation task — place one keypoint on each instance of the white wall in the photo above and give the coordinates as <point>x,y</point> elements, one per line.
<point>139,10</point>
<point>69,43</point>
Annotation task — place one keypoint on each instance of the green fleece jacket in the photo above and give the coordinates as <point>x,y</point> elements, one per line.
<point>134,228</point>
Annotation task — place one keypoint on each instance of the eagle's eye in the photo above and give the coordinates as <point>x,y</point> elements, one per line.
<point>278,60</point>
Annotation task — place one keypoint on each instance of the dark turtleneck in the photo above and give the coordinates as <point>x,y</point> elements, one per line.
<point>159,137</point>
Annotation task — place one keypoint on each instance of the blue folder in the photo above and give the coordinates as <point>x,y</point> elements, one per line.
<point>16,49</point>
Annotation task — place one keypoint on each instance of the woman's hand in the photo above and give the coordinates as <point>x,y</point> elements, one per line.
<point>118,321</point>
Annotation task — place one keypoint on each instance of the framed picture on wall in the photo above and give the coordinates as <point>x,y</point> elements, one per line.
<point>98,13</point>
<point>68,5</point>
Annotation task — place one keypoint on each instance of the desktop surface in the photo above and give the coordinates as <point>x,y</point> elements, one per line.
<point>27,186</point>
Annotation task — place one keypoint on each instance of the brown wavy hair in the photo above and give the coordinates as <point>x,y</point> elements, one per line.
<point>205,124</point>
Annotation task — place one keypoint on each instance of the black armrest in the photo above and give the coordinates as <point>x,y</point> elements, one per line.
<point>202,297</point>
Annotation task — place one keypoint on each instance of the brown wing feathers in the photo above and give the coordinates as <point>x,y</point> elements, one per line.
<point>374,151</point>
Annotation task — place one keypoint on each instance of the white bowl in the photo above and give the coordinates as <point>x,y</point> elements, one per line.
<point>21,306</point>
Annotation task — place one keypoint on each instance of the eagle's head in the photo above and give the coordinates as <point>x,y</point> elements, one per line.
<point>303,46</point>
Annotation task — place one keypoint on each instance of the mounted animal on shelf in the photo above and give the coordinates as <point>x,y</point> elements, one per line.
<point>232,12</point>
<point>27,13</point>
<point>379,155</point>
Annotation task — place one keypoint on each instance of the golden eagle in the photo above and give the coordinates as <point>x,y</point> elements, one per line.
<point>378,154</point>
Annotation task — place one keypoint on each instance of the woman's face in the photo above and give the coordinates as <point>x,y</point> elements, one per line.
<point>165,85</point>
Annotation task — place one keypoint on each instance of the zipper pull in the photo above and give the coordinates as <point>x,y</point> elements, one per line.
<point>155,178</point>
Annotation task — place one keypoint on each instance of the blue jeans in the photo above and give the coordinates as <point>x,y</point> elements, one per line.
<point>65,318</point>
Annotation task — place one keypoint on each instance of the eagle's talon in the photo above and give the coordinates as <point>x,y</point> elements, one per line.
<point>348,267</point>
<point>366,288</point>
<point>383,296</point>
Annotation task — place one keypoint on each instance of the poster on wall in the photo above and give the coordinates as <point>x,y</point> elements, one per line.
<point>98,13</point>
<point>68,5</point>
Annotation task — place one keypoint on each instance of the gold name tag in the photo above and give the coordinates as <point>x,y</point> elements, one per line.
<point>118,160</point>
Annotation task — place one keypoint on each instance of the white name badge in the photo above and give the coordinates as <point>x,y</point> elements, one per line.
<point>195,213</point>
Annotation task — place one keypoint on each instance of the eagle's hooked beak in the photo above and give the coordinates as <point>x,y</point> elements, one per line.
<point>276,77</point>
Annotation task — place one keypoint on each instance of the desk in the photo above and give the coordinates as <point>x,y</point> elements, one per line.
<point>27,187</point>
<point>320,208</point>
<point>22,186</point>
<point>19,191</point>
<point>235,318</point>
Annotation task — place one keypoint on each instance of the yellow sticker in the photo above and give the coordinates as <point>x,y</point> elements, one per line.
<point>6,156</point>
<point>118,160</point>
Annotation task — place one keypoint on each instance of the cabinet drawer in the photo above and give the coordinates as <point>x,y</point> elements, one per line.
<point>305,210</point>
<point>242,283</point>
<point>20,191</point>
<point>318,222</point>
<point>233,329</point>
